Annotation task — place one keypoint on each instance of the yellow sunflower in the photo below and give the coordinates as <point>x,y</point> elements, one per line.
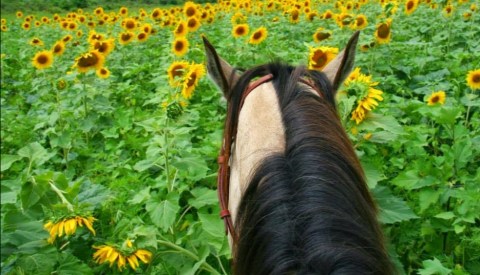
<point>103,72</point>
<point>98,11</point>
<point>67,38</point>
<point>110,254</point>
<point>26,26</point>
<point>360,22</point>
<point>436,98</point>
<point>195,72</point>
<point>411,6</point>
<point>190,9</point>
<point>105,47</point>
<point>176,72</point>
<point>92,60</point>
<point>68,226</point>
<point>258,36</point>
<point>181,29</point>
<point>328,14</point>
<point>193,24</point>
<point>448,10</point>
<point>4,28</point>
<point>43,60</point>
<point>294,16</point>
<point>156,14</point>
<point>19,14</point>
<point>143,36</point>
<point>36,42</point>
<point>123,11</point>
<point>129,24</point>
<point>383,33</point>
<point>321,34</point>
<point>58,48</point>
<point>180,46</point>
<point>126,37</point>
<point>240,30</point>
<point>473,79</point>
<point>320,57</point>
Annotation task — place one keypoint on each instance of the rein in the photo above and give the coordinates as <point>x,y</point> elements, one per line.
<point>223,179</point>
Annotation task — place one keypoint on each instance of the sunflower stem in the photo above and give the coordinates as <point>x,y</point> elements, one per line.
<point>60,194</point>
<point>167,165</point>
<point>206,266</point>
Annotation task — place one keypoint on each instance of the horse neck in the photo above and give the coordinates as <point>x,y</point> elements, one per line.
<point>260,132</point>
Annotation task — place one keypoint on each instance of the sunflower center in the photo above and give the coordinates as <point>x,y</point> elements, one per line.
<point>476,78</point>
<point>435,99</point>
<point>179,46</point>
<point>126,36</point>
<point>191,79</point>
<point>179,29</point>
<point>42,59</point>
<point>192,23</point>
<point>177,71</point>
<point>240,31</point>
<point>319,59</point>
<point>257,35</point>
<point>103,71</point>
<point>383,31</point>
<point>130,25</point>
<point>410,5</point>
<point>155,14</point>
<point>57,48</point>
<point>360,21</point>
<point>142,36</point>
<point>89,60</point>
<point>322,35</point>
<point>36,41</point>
<point>190,11</point>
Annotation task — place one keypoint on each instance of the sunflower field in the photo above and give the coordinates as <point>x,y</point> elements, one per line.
<point>110,128</point>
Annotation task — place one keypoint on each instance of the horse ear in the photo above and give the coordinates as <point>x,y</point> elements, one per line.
<point>222,73</point>
<point>339,68</point>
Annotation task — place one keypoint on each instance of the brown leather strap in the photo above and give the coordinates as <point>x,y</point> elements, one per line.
<point>230,131</point>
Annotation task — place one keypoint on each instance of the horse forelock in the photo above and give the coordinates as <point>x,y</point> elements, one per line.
<point>307,209</point>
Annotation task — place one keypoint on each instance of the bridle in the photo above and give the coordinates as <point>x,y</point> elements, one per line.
<point>230,132</point>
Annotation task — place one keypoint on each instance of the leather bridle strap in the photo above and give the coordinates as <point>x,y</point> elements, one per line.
<point>230,131</point>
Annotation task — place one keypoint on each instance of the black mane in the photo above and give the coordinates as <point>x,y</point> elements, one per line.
<point>307,210</point>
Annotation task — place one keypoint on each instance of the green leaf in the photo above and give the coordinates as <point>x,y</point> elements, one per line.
<point>8,160</point>
<point>445,215</point>
<point>392,208</point>
<point>203,196</point>
<point>35,153</point>
<point>427,197</point>
<point>386,123</point>
<point>410,180</point>
<point>163,213</point>
<point>141,196</point>
<point>433,267</point>
<point>212,224</point>
<point>37,263</point>
<point>145,164</point>
<point>372,172</point>
<point>70,265</point>
<point>195,166</point>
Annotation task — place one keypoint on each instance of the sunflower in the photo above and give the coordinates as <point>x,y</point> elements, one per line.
<point>123,11</point>
<point>195,72</point>
<point>105,47</point>
<point>68,226</point>
<point>193,24</point>
<point>72,26</point>
<point>26,26</point>
<point>240,30</point>
<point>383,33</point>
<point>43,60</point>
<point>98,11</point>
<point>411,6</point>
<point>190,9</point>
<point>321,34</point>
<point>36,42</point>
<point>95,36</point>
<point>447,11</point>
<point>176,71</point>
<point>360,22</point>
<point>312,15</point>
<point>4,21</point>
<point>294,16</point>
<point>111,254</point>
<point>328,14</point>
<point>126,37</point>
<point>156,14</point>
<point>4,28</point>
<point>238,18</point>
<point>181,29</point>
<point>258,36</point>
<point>129,24</point>
<point>67,38</point>
<point>320,57</point>
<point>58,48</point>
<point>92,60</point>
<point>19,14</point>
<point>79,33</point>
<point>143,36</point>
<point>147,28</point>
<point>436,98</point>
<point>103,72</point>
<point>180,46</point>
<point>473,79</point>
<point>363,88</point>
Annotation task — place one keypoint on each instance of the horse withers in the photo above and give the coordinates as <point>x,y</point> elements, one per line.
<point>292,192</point>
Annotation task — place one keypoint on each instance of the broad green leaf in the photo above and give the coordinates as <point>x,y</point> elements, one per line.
<point>392,208</point>
<point>433,267</point>
<point>145,164</point>
<point>212,224</point>
<point>141,196</point>
<point>410,180</point>
<point>387,123</point>
<point>427,197</point>
<point>163,213</point>
<point>372,172</point>
<point>203,254</point>
<point>445,215</point>
<point>8,160</point>
<point>39,263</point>
<point>203,196</point>
<point>35,153</point>
<point>195,166</point>
<point>70,265</point>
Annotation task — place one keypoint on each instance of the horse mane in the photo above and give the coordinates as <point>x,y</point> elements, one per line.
<point>307,210</point>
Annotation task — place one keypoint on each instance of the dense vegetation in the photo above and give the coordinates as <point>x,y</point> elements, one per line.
<point>110,131</point>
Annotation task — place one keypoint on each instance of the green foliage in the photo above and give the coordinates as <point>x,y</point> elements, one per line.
<point>125,151</point>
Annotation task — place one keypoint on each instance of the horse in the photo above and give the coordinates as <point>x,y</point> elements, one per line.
<point>292,192</point>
